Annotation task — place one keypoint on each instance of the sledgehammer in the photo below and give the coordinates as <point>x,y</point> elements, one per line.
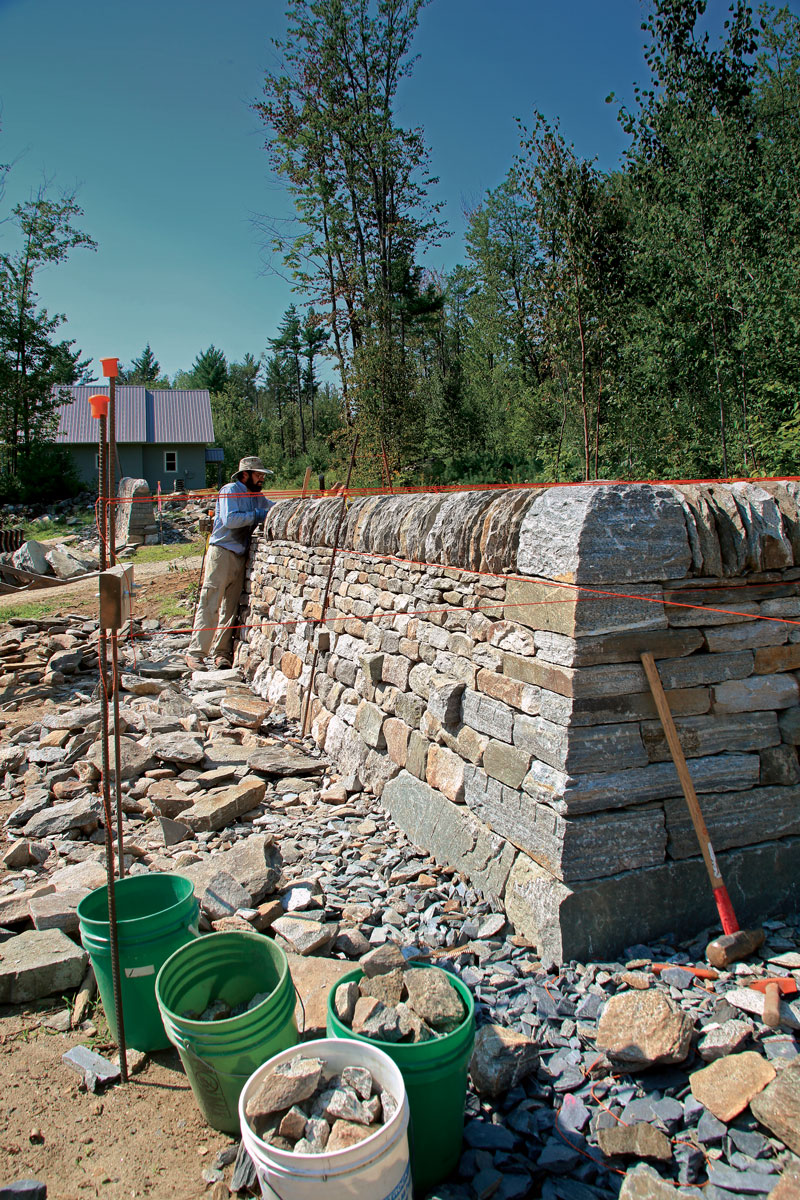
<point>736,943</point>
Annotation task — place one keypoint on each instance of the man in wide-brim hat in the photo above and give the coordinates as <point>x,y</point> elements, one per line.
<point>240,507</point>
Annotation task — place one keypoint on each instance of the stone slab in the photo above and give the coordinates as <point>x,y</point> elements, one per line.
<point>722,733</point>
<point>215,811</point>
<point>580,612</point>
<point>594,748</point>
<point>595,920</point>
<point>35,964</point>
<point>625,646</point>
<point>571,793</point>
<point>741,819</point>
<point>588,847</point>
<point>610,709</point>
<point>450,832</point>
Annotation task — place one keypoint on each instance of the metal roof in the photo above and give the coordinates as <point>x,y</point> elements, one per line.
<point>158,416</point>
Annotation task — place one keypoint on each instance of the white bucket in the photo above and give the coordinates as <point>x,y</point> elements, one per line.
<point>375,1169</point>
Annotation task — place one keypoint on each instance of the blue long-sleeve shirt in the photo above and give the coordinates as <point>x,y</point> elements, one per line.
<point>235,515</point>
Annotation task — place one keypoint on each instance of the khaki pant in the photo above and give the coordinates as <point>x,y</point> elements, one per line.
<point>218,605</point>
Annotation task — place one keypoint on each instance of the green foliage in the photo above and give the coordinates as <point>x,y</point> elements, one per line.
<point>44,473</point>
<point>33,361</point>
<point>144,371</point>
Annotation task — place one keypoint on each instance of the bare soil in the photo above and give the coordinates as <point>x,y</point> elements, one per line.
<point>155,583</point>
<point>146,1138</point>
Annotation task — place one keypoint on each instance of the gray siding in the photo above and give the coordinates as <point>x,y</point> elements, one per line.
<point>129,462</point>
<point>191,465</point>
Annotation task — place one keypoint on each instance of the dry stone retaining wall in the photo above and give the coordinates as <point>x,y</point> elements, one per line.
<point>482,675</point>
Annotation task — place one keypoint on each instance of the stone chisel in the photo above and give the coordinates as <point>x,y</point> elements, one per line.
<point>737,943</point>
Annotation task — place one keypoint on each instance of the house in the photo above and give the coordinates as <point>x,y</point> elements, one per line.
<point>162,435</point>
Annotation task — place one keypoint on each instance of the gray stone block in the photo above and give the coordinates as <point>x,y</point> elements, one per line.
<point>595,920</point>
<point>491,717</point>
<point>595,748</point>
<point>609,710</point>
<point>572,794</point>
<point>721,733</point>
<point>741,819</point>
<point>506,763</point>
<point>580,848</point>
<point>444,701</point>
<point>35,964</point>
<point>757,694</point>
<point>450,832</point>
<point>369,723</point>
<point>593,534</point>
<point>625,646</point>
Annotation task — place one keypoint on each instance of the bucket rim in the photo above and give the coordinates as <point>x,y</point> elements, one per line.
<point>127,884</point>
<point>227,1024</point>
<point>289,1157</point>
<point>467,1025</point>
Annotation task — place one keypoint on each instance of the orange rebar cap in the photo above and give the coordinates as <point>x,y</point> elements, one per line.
<point>99,405</point>
<point>110,367</point>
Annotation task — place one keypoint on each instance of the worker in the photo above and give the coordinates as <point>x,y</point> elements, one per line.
<point>239,509</point>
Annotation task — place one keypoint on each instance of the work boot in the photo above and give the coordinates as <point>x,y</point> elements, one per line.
<point>195,664</point>
<point>222,663</point>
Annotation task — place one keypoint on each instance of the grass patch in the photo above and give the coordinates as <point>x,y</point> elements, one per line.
<point>31,611</point>
<point>147,554</point>
<point>37,530</point>
<point>174,607</point>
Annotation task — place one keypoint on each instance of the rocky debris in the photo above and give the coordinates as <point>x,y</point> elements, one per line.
<point>35,964</point>
<point>777,1107</point>
<point>399,1003</point>
<point>345,873</point>
<point>302,1107</point>
<point>502,1058</point>
<point>641,1029</point>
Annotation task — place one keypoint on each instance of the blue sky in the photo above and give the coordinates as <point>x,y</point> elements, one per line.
<point>145,110</point>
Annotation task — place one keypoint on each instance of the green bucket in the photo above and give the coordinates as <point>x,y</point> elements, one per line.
<point>220,1056</point>
<point>155,915</point>
<point>435,1075</point>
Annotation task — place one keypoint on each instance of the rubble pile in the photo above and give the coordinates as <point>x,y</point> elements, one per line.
<point>305,1109</point>
<point>394,1003</point>
<point>581,1069</point>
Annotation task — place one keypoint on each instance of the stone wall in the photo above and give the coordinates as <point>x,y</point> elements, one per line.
<point>483,677</point>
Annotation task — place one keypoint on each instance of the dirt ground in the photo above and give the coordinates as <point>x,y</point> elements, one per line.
<point>146,1138</point>
<point>155,583</point>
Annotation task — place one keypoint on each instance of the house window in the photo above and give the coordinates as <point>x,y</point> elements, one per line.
<point>170,461</point>
<point>97,460</point>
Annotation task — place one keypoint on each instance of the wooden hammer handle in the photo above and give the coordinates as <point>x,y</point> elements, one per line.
<point>676,750</point>
<point>772,1005</point>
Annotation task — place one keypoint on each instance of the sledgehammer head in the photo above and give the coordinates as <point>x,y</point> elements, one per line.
<point>732,947</point>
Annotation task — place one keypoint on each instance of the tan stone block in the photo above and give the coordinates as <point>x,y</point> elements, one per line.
<point>291,665</point>
<point>500,687</point>
<point>772,659</point>
<point>396,733</point>
<point>727,1086</point>
<point>578,612</point>
<point>445,772</point>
